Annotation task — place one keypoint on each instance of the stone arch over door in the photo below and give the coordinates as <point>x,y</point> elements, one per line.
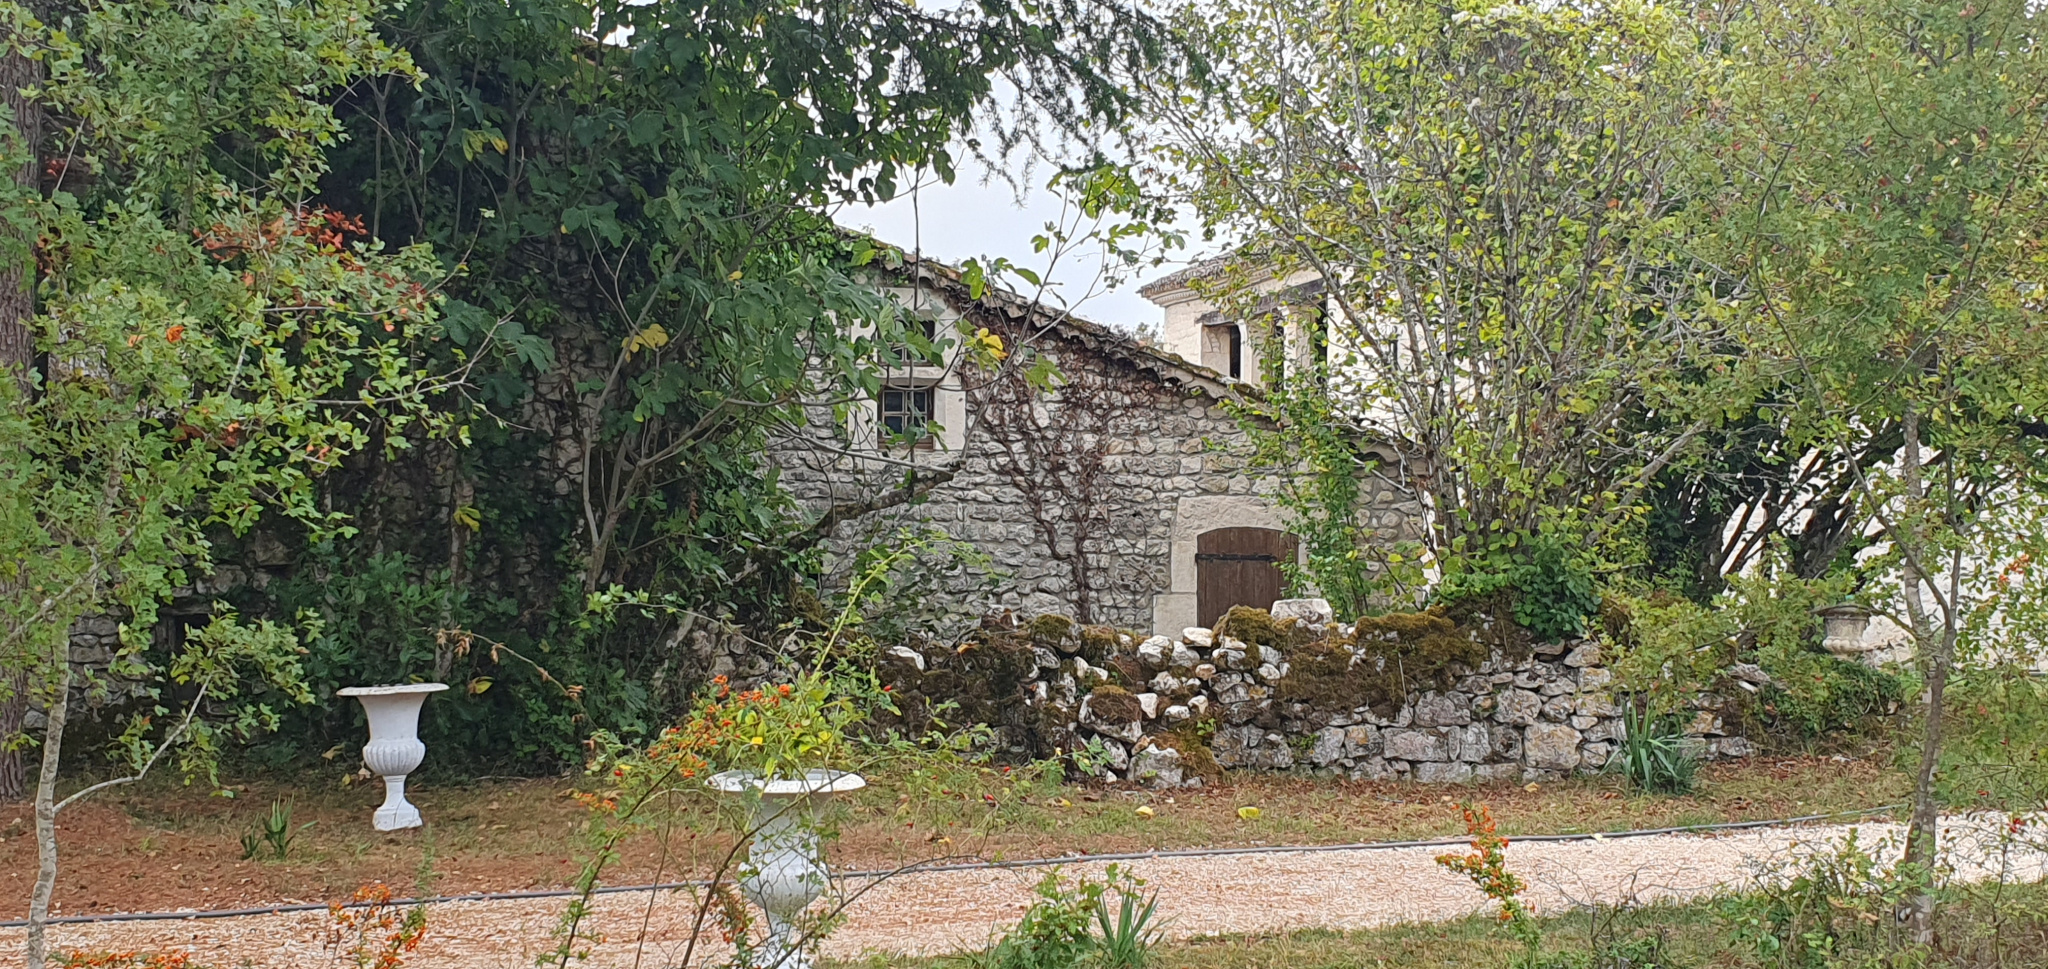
<point>1177,607</point>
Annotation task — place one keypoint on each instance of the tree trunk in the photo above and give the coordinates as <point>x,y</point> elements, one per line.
<point>38,952</point>
<point>17,356</point>
<point>1937,651</point>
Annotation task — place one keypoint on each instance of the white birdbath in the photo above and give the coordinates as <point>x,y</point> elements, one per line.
<point>394,749</point>
<point>785,868</point>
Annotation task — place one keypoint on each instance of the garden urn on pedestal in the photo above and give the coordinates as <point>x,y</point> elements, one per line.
<point>394,749</point>
<point>785,868</point>
<point>1843,628</point>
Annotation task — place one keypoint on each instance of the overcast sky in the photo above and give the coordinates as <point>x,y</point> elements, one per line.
<point>967,219</point>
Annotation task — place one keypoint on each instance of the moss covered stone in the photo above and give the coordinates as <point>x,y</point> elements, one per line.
<point>1384,660</point>
<point>1109,703</point>
<point>1050,631</point>
<point>1098,643</point>
<point>1246,624</point>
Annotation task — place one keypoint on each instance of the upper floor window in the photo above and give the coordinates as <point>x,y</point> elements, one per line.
<point>907,410</point>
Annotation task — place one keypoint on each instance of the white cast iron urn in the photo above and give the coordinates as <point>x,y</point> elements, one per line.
<point>785,868</point>
<point>394,749</point>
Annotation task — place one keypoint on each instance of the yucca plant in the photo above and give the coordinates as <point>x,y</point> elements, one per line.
<point>1653,754</point>
<point>1127,936</point>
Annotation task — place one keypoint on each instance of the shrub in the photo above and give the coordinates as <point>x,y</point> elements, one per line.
<point>1546,586</point>
<point>1653,754</point>
<point>1057,931</point>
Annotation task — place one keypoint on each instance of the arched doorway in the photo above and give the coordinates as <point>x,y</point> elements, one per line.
<point>1238,567</point>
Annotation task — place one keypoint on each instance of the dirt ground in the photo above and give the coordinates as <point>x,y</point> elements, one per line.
<point>167,847</point>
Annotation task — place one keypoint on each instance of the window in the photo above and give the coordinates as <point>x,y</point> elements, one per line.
<point>907,412</point>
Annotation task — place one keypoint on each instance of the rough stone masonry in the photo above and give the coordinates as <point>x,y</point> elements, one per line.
<point>1164,711</point>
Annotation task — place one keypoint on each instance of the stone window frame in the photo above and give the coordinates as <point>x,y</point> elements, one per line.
<point>864,427</point>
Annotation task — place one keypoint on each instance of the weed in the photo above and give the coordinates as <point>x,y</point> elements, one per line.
<point>373,933</point>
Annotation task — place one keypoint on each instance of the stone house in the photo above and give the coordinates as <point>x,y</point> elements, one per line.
<point>1116,491</point>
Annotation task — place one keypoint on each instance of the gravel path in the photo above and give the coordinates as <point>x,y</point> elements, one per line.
<point>938,912</point>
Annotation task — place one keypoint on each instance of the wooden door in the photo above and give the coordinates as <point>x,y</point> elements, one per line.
<point>1238,567</point>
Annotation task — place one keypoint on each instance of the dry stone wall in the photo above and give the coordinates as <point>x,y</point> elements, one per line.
<point>1167,711</point>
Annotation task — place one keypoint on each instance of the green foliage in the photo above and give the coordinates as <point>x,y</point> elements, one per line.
<point>1821,911</point>
<point>1667,651</point>
<point>1546,584</point>
<point>1997,753</point>
<point>1057,931</point>
<point>1481,190</point>
<point>215,344</point>
<point>1653,754</point>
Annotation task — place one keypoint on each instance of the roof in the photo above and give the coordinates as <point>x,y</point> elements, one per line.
<point>1179,278</point>
<point>1095,336</point>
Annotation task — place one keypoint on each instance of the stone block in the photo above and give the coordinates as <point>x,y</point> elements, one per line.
<point>1269,673</point>
<point>1153,653</point>
<point>1594,756</point>
<point>1518,708</point>
<point>1204,671</point>
<point>1045,658</point>
<point>1596,705</point>
<point>1197,637</point>
<point>1403,743</point>
<point>1148,703</point>
<point>1166,684</point>
<point>1328,748</point>
<point>1452,773</point>
<point>1183,659</point>
<point>1439,710</point>
<point>1548,746</point>
<point>1587,654</point>
<point>1557,709</point>
<point>1158,767</point>
<point>1237,746</point>
<point>1473,743</point>
<point>1595,678</point>
<point>1607,730</point>
<point>1312,611</point>
<point>1732,747</point>
<point>1361,741</point>
<point>1176,713</point>
<point>1492,773</point>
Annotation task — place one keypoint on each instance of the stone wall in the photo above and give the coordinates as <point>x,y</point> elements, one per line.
<point>1163,711</point>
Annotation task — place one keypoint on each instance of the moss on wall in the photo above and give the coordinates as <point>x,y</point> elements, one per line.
<point>1386,659</point>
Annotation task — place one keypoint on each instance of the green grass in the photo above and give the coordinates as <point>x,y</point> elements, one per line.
<point>1976,931</point>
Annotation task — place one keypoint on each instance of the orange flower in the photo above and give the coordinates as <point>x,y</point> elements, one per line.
<point>175,333</point>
